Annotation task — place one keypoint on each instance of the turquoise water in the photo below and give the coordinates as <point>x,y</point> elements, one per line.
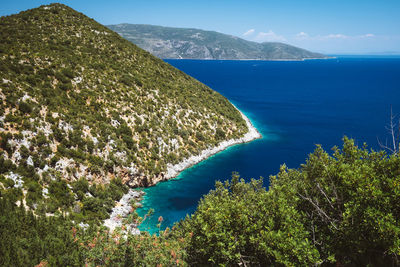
<point>294,105</point>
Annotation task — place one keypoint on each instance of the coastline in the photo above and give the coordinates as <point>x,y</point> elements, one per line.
<point>253,59</point>
<point>122,210</point>
<point>124,207</point>
<point>252,134</point>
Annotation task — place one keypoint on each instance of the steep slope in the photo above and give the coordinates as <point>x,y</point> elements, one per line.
<point>168,42</point>
<point>79,101</point>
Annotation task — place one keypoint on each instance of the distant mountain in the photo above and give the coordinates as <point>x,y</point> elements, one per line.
<point>168,42</point>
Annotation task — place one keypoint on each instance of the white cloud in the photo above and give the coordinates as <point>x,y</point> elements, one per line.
<point>368,35</point>
<point>336,36</point>
<point>350,37</point>
<point>345,42</point>
<point>332,36</point>
<point>302,35</point>
<point>249,32</point>
<point>269,36</point>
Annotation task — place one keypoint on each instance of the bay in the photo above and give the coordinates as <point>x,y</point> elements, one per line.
<point>295,105</point>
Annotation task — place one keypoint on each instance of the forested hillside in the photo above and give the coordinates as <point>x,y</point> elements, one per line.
<point>80,102</point>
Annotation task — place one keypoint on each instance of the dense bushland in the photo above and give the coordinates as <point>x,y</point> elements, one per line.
<point>340,209</point>
<point>79,101</point>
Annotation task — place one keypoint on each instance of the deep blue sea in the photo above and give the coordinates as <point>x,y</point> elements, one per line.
<point>295,105</point>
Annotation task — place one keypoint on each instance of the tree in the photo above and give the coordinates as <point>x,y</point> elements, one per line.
<point>60,193</point>
<point>350,204</point>
<point>241,223</point>
<point>25,107</point>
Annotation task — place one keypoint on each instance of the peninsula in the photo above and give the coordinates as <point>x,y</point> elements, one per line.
<point>184,43</point>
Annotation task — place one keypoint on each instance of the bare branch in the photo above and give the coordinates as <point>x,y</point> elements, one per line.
<point>386,147</point>
<point>326,197</point>
<point>320,211</point>
<point>394,131</point>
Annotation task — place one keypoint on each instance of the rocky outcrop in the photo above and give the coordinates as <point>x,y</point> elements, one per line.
<point>122,210</point>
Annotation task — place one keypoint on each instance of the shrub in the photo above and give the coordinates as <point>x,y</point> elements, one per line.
<point>25,107</point>
<point>219,134</point>
<point>60,193</point>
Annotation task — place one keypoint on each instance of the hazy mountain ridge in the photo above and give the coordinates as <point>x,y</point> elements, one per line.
<point>169,42</point>
<point>79,101</point>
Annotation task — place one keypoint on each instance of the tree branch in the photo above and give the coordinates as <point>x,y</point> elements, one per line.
<point>394,131</point>
<point>320,211</point>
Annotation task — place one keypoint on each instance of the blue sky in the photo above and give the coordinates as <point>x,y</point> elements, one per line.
<point>328,26</point>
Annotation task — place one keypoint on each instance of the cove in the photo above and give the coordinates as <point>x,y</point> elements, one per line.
<point>295,105</point>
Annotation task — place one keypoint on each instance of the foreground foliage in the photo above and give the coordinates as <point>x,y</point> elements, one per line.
<point>334,210</point>
<point>341,209</point>
<point>27,240</point>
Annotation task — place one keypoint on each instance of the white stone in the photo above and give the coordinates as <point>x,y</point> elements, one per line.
<point>45,192</point>
<point>121,211</point>
<point>17,156</point>
<point>95,140</point>
<point>83,225</point>
<point>29,161</point>
<point>115,123</point>
<point>65,126</point>
<point>78,79</point>
<point>18,182</point>
<point>26,97</point>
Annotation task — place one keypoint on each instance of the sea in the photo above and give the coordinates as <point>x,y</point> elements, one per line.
<point>295,105</point>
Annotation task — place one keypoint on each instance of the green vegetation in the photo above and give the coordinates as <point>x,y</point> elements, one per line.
<point>168,42</point>
<point>27,240</point>
<point>79,101</point>
<point>83,112</point>
<point>339,210</point>
<point>333,210</point>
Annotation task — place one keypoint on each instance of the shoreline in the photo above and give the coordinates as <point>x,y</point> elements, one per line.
<point>174,170</point>
<point>122,210</point>
<point>252,59</point>
<point>123,207</point>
